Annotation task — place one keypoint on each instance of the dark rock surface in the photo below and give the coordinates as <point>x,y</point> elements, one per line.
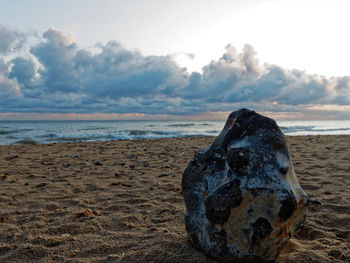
<point>243,199</point>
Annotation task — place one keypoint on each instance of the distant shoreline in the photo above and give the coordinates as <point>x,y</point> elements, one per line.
<point>31,142</point>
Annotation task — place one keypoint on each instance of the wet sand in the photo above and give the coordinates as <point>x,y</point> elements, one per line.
<point>121,201</point>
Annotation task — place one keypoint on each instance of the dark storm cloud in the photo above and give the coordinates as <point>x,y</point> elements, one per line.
<point>55,75</point>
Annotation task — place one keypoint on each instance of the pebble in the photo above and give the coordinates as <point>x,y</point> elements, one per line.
<point>41,185</point>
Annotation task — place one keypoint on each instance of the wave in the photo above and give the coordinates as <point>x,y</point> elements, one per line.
<point>181,125</point>
<point>131,134</point>
<point>290,129</point>
<point>188,124</point>
<point>304,130</point>
<point>145,133</point>
<point>139,132</point>
<point>173,125</point>
<point>118,135</point>
<point>76,138</point>
<point>25,141</point>
<point>50,132</point>
<point>4,132</point>
<point>331,130</point>
<point>94,128</point>
<point>49,135</point>
<point>213,132</point>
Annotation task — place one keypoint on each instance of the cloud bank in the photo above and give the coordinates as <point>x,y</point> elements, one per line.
<point>56,76</point>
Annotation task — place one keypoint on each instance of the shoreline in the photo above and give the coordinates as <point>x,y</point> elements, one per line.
<point>121,201</point>
<point>32,142</point>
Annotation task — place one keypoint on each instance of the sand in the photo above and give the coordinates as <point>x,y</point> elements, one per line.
<point>121,201</point>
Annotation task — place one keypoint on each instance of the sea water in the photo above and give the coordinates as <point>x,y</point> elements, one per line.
<point>17,132</point>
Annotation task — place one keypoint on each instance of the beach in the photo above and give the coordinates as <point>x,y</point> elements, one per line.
<point>121,201</point>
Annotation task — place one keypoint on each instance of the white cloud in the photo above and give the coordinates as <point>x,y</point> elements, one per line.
<point>117,80</point>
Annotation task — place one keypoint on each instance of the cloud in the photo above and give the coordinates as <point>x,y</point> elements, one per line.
<point>9,88</point>
<point>57,76</point>
<point>109,78</point>
<point>23,70</point>
<point>342,90</point>
<point>224,80</point>
<point>10,40</point>
<point>182,54</point>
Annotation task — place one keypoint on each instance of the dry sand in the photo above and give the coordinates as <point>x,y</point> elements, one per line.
<point>57,204</point>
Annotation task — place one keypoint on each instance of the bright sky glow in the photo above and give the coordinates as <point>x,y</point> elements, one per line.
<point>307,35</point>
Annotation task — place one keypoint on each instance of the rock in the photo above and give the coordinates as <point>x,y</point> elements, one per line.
<point>3,219</point>
<point>9,158</point>
<point>3,176</point>
<point>98,163</point>
<point>40,185</point>
<point>88,213</point>
<point>243,199</point>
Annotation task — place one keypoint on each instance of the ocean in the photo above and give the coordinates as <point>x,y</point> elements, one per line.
<point>30,132</point>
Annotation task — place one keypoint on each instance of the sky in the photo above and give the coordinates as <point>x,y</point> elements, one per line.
<point>194,59</point>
